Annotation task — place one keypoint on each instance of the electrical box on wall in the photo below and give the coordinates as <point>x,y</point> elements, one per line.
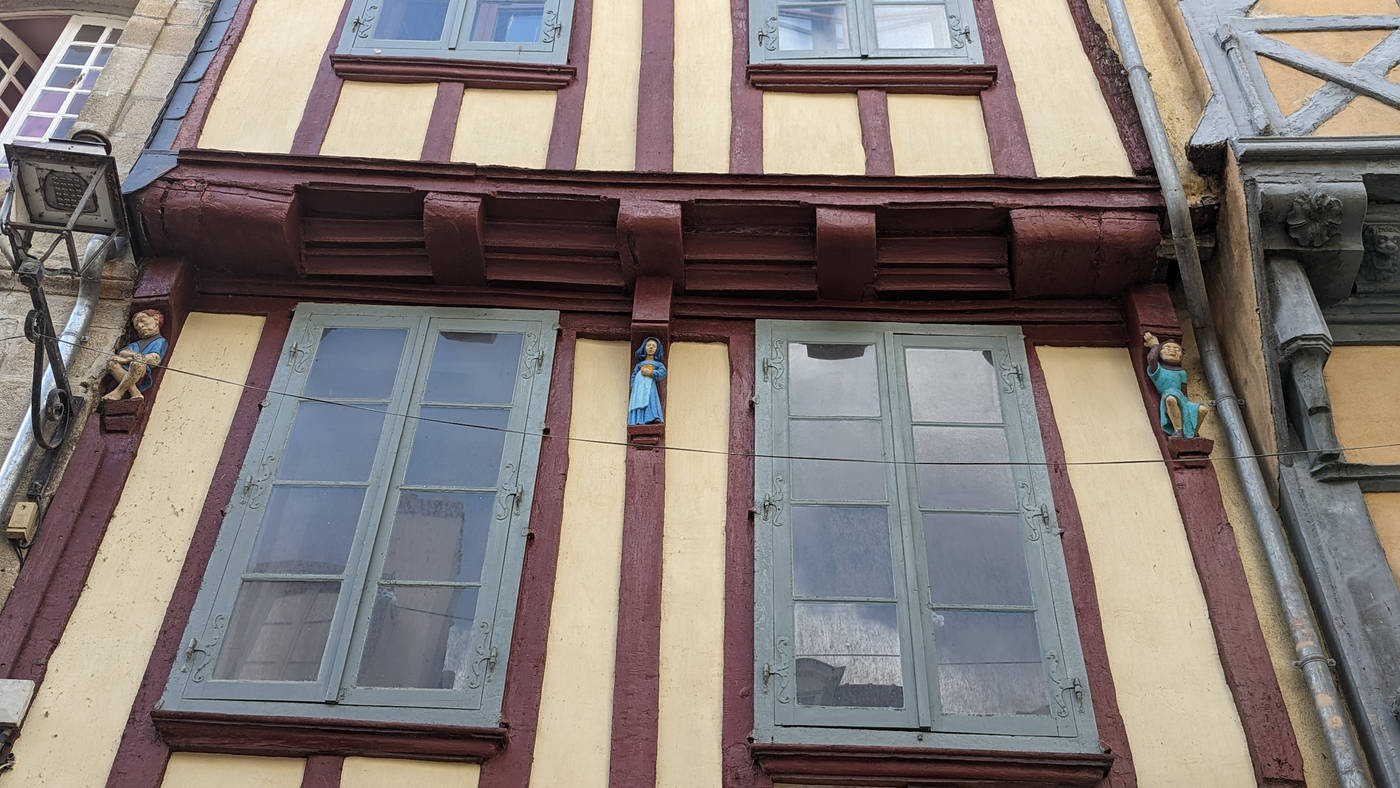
<point>15,695</point>
<point>23,522</point>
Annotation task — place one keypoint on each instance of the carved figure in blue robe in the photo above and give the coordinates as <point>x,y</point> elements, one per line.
<point>644,404</point>
<point>131,366</point>
<point>1178,415</point>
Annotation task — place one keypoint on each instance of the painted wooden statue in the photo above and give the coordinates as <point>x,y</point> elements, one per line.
<point>131,365</point>
<point>644,404</point>
<point>1179,416</point>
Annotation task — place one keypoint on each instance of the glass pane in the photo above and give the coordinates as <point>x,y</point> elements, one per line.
<point>912,27</point>
<point>952,385</point>
<point>331,442</point>
<point>88,33</point>
<point>65,77</point>
<point>61,132</point>
<point>820,27</point>
<point>476,368</point>
<point>76,56</point>
<point>36,127</point>
<point>841,551</point>
<point>8,54</point>
<point>90,79</point>
<point>832,380</point>
<point>75,105</point>
<point>989,663</point>
<point>439,536</point>
<point>986,486</point>
<point>278,632</point>
<point>25,75</point>
<point>103,55</point>
<point>49,101</point>
<point>112,35</point>
<point>977,559</point>
<point>449,455</point>
<point>832,480</point>
<point>356,363</point>
<point>507,20</point>
<point>848,654</point>
<point>409,20</point>
<point>10,98</point>
<point>419,637</point>
<point>307,530</point>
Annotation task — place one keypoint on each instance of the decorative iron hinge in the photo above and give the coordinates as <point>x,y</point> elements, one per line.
<point>961,33</point>
<point>768,34</point>
<point>772,503</point>
<point>1013,377</point>
<point>773,365</point>
<point>362,24</point>
<point>485,655</point>
<point>551,28</point>
<point>779,669</point>
<point>1036,515</point>
<point>1064,683</point>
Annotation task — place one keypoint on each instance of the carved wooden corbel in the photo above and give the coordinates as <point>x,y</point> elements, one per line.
<point>845,253</point>
<point>454,236</point>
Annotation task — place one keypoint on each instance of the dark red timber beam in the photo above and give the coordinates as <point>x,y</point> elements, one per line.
<point>874,110</point>
<point>1239,638</point>
<point>1083,592</point>
<point>520,707</point>
<point>141,755</point>
<point>656,87</point>
<point>745,101</point>
<point>322,771</point>
<point>568,104</point>
<point>1001,109</point>
<point>1113,83</point>
<point>442,123</point>
<point>325,94</point>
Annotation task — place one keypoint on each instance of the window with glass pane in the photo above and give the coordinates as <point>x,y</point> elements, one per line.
<point>371,555</point>
<point>933,31</point>
<point>910,576</point>
<point>39,101</point>
<point>522,31</point>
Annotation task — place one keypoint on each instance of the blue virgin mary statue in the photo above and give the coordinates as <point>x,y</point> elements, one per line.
<point>644,404</point>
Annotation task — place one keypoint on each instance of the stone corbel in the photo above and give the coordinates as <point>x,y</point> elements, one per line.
<point>1318,224</point>
<point>1304,344</point>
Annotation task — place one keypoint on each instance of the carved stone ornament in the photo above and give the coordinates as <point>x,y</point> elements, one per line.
<point>1381,260</point>
<point>1314,218</point>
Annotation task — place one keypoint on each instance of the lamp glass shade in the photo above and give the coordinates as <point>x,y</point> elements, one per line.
<point>50,177</point>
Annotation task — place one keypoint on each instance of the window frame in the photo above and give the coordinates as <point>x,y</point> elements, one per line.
<point>333,694</point>
<point>453,44</point>
<point>763,27</point>
<point>1070,725</point>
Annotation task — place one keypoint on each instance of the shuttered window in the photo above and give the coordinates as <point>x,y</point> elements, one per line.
<point>909,574</point>
<point>371,555</point>
<point>518,31</point>
<point>918,31</point>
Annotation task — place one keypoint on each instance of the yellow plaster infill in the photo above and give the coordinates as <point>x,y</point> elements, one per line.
<point>1341,46</point>
<point>1317,765</point>
<point>506,127</point>
<point>1385,515</point>
<point>938,135</point>
<point>1291,87</point>
<point>380,120</point>
<point>1314,8</point>
<point>691,702</point>
<point>812,134</point>
<point>201,770</point>
<point>392,773</point>
<point>1067,120</point>
<point>1179,715</point>
<point>607,138</point>
<point>76,722</point>
<point>1362,380</point>
<point>704,42</point>
<point>263,93</point>
<point>573,741</point>
<point>1363,117</point>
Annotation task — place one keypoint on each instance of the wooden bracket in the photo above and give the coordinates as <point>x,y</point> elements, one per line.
<point>650,241</point>
<point>453,234</point>
<point>845,253</point>
<point>1068,252</point>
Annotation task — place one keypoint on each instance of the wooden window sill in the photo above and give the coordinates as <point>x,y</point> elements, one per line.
<point>472,73</point>
<point>841,764</point>
<point>244,734</point>
<point>964,80</point>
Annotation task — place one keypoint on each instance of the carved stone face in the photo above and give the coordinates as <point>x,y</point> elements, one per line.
<point>1381,261</point>
<point>145,325</point>
<point>650,347</point>
<point>1171,353</point>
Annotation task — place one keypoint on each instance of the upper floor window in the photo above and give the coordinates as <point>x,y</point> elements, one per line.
<point>519,31</point>
<point>48,67</point>
<point>915,581</point>
<point>916,31</point>
<point>369,562</point>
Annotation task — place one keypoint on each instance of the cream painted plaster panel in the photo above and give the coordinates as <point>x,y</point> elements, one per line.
<point>1314,7</point>
<point>1385,515</point>
<point>1067,120</point>
<point>507,127</point>
<point>607,138</point>
<point>1363,117</point>
<point>394,773</point>
<point>573,741</point>
<point>76,722</point>
<point>1178,711</point>
<point>380,120</point>
<point>691,702</point>
<point>1291,87</point>
<point>704,45</point>
<point>938,135</point>
<point>1362,381</point>
<point>1317,763</point>
<point>263,93</point>
<point>203,770</point>
<point>812,134</point>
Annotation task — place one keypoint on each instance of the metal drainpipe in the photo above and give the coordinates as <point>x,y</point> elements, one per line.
<point>1312,660</point>
<point>74,332</point>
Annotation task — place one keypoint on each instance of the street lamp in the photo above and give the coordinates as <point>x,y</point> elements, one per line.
<point>64,187</point>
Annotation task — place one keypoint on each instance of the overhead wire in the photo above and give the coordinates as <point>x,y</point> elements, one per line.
<point>720,452</point>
